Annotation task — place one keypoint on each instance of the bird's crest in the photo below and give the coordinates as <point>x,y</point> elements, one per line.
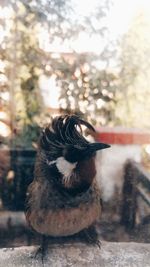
<point>64,131</point>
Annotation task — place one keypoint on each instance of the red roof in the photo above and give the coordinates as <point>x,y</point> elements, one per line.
<point>123,136</point>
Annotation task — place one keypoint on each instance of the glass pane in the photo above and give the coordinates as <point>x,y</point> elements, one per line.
<point>91,59</point>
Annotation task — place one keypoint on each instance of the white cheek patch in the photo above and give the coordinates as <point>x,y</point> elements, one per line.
<point>50,162</point>
<point>65,167</point>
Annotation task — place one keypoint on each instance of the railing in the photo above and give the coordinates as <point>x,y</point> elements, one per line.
<point>136,183</point>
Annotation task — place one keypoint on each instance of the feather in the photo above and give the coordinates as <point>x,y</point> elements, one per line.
<point>64,130</point>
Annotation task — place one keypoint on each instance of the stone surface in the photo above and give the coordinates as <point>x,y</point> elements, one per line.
<point>79,255</point>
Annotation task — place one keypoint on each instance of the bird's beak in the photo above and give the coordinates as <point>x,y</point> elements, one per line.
<point>98,146</point>
<point>91,149</point>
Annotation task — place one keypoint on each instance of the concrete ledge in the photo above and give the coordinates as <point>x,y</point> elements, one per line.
<point>79,255</point>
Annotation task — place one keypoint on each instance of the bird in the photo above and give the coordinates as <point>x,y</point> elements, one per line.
<point>64,198</point>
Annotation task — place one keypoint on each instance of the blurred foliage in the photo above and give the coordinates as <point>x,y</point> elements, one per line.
<point>23,62</point>
<point>88,85</point>
<point>86,90</point>
<point>133,105</point>
<point>146,157</point>
<point>83,91</point>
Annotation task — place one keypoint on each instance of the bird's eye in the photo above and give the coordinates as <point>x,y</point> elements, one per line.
<point>79,147</point>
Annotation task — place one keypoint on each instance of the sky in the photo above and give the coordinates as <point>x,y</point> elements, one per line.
<point>118,21</point>
<point>120,15</point>
<point>121,11</point>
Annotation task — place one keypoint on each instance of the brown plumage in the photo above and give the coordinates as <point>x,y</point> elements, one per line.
<point>64,198</point>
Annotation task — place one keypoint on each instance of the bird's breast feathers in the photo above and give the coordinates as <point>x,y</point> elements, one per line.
<point>64,222</point>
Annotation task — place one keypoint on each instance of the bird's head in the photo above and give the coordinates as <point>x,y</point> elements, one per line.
<point>63,146</point>
<point>64,138</point>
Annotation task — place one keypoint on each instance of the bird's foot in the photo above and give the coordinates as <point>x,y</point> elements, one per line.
<point>90,236</point>
<point>42,250</point>
<point>42,254</point>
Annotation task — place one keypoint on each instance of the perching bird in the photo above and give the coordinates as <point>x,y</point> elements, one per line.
<point>64,198</point>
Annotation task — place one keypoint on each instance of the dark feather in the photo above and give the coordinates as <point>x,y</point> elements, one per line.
<point>64,130</point>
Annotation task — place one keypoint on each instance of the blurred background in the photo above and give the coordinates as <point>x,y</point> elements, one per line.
<point>91,58</point>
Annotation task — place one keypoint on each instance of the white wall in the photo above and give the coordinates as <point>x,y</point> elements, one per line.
<point>110,163</point>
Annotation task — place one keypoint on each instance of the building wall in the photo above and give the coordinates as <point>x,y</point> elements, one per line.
<point>110,167</point>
